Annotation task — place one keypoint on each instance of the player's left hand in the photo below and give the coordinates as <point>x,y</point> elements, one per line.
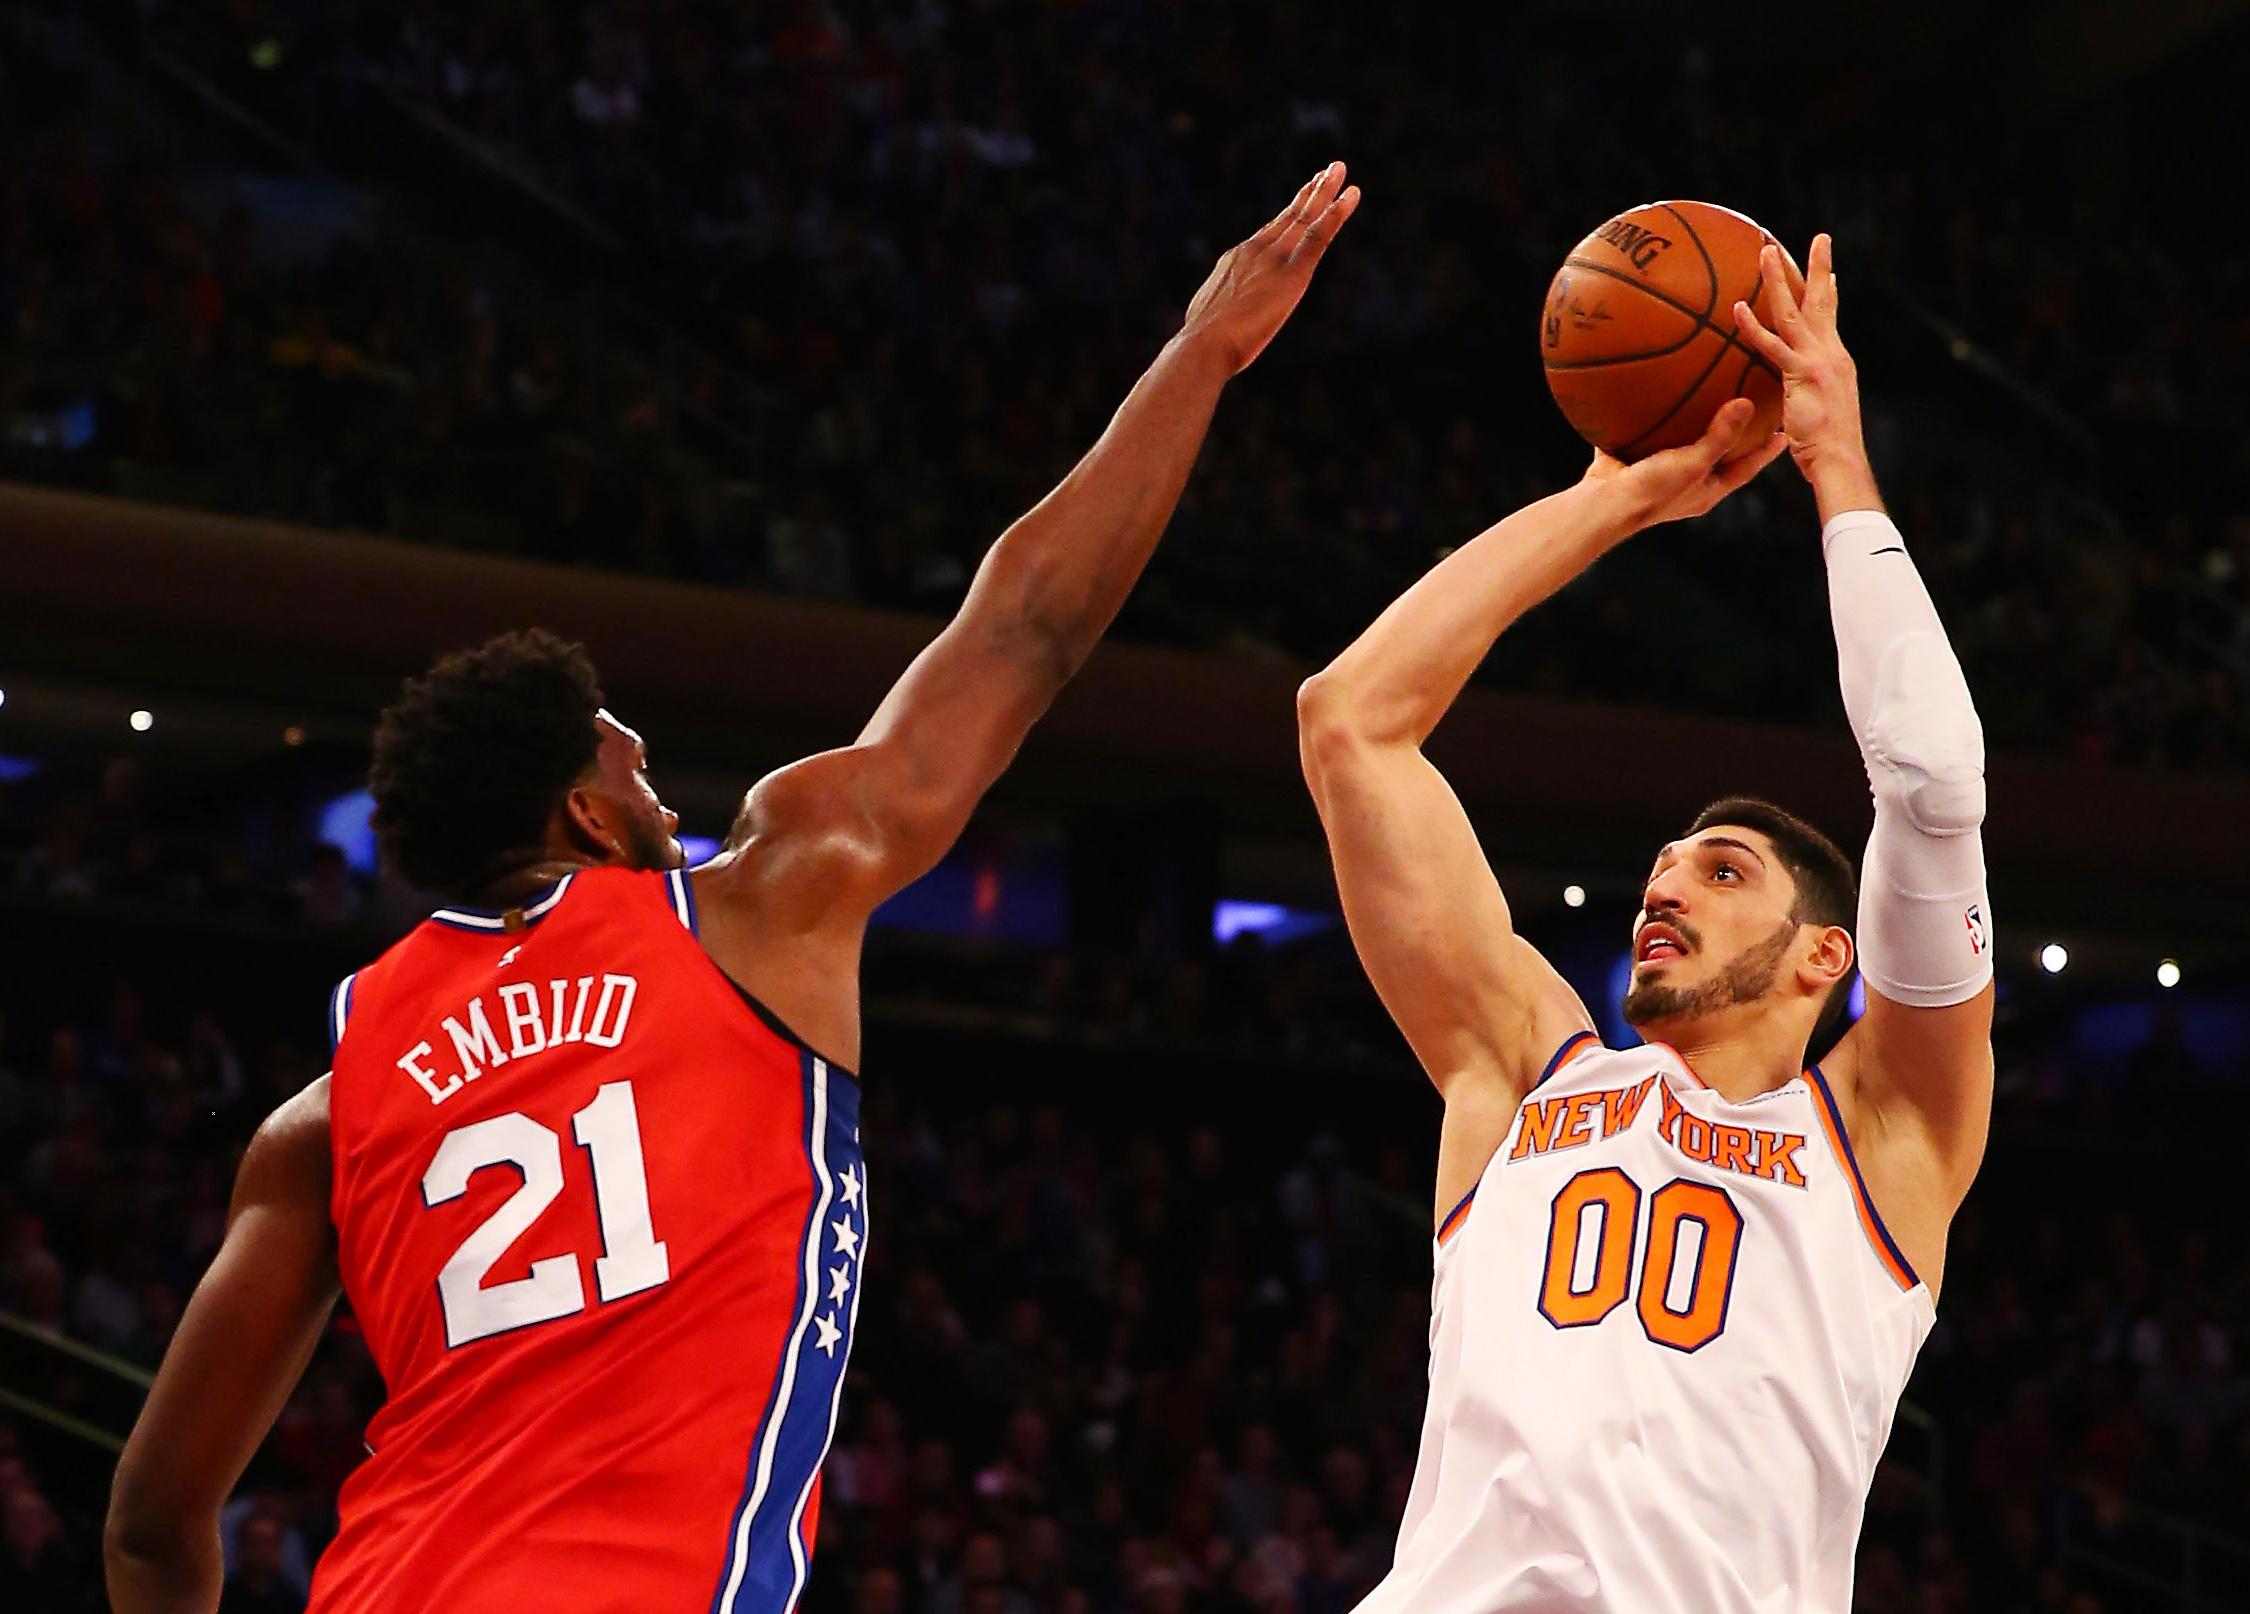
<point>1256,286</point>
<point>1689,480</point>
<point>1819,381</point>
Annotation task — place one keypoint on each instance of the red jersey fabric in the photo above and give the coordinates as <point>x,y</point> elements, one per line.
<point>600,1218</point>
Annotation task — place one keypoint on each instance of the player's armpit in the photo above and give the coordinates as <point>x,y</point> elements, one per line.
<point>242,1343</point>
<point>1476,1002</point>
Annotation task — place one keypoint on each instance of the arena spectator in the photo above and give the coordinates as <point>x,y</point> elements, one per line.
<point>932,242</point>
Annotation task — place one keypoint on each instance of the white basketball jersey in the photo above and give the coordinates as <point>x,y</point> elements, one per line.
<point>1667,1336</point>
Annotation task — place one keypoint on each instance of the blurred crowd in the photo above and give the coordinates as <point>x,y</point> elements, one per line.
<point>919,251</point>
<point>110,838</point>
<point>1157,1377</point>
<point>1146,1342</point>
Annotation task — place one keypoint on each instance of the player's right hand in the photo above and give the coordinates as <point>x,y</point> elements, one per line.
<point>1689,480</point>
<point>1257,285</point>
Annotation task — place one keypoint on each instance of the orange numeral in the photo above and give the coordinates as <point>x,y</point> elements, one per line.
<point>1703,1313</point>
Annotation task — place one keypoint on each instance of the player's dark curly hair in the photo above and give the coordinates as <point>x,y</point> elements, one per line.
<point>473,756</point>
<point>1827,886</point>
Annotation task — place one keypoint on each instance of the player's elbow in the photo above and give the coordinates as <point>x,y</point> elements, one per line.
<point>1328,725</point>
<point>1334,713</point>
<point>145,1541</point>
<point>1936,787</point>
<point>1319,703</point>
<point>1924,743</point>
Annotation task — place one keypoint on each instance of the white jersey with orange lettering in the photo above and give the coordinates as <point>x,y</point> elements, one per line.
<point>1667,1336</point>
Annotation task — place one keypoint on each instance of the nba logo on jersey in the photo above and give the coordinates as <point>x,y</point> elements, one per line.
<point>1974,917</point>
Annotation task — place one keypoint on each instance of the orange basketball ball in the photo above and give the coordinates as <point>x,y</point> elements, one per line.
<point>1638,335</point>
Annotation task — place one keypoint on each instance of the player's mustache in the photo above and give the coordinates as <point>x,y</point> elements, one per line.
<point>1689,937</point>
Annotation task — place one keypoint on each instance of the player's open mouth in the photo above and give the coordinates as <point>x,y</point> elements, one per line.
<point>1657,943</point>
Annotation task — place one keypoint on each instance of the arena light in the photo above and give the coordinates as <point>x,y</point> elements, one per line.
<point>292,735</point>
<point>2053,957</point>
<point>1574,896</point>
<point>344,823</point>
<point>3,697</point>
<point>2168,973</point>
<point>142,721</point>
<point>1274,921</point>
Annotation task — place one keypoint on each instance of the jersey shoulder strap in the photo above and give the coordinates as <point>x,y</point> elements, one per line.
<point>339,1011</point>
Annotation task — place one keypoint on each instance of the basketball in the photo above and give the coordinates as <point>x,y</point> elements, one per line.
<point>1638,333</point>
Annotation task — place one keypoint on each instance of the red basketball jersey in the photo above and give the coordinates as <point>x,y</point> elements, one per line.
<point>600,1217</point>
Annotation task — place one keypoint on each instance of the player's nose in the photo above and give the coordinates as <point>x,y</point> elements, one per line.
<point>1667,893</point>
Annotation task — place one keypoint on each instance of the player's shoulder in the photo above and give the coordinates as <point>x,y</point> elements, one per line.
<point>1549,1018</point>
<point>1580,1061</point>
<point>288,1156</point>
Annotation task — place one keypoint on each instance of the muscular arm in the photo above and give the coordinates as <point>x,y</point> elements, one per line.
<point>1478,1004</point>
<point>1917,1069</point>
<point>244,1340</point>
<point>1042,598</point>
<point>1919,1063</point>
<point>1425,911</point>
<point>884,809</point>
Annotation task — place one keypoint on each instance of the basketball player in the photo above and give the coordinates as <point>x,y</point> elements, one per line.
<point>587,1163</point>
<point>1679,1286</point>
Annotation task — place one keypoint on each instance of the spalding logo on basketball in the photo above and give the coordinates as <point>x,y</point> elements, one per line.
<point>1638,333</point>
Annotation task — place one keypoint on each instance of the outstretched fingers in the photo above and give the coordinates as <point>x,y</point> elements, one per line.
<point>1781,298</point>
<point>1322,230</point>
<point>1317,199</point>
<point>1763,342</point>
<point>1820,279</point>
<point>1289,215</point>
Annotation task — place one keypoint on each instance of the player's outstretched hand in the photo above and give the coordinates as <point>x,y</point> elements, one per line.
<point>1257,285</point>
<point>1689,480</point>
<point>1819,382</point>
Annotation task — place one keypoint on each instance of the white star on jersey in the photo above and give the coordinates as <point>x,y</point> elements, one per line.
<point>851,1185</point>
<point>839,1283</point>
<point>847,1237</point>
<point>830,1334</point>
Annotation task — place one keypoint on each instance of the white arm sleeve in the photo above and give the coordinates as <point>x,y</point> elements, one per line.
<point>1925,922</point>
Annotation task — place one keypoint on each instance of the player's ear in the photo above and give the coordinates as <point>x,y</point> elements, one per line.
<point>588,823</point>
<point>1831,957</point>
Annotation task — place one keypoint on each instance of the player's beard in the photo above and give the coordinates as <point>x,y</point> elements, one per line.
<point>650,848</point>
<point>1745,979</point>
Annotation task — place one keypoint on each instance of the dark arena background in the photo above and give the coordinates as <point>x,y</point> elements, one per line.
<point>725,337</point>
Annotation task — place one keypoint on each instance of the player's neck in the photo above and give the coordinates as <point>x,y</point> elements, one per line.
<point>1737,1059</point>
<point>504,889</point>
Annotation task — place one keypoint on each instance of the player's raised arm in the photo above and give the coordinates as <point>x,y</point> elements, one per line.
<point>248,1331</point>
<point>885,809</point>
<point>1920,1059</point>
<point>1482,1010</point>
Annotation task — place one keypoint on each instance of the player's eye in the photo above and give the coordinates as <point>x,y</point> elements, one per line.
<point>1725,868</point>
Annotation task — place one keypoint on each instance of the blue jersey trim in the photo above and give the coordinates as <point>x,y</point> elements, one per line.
<point>1561,1054</point>
<point>766,1559</point>
<point>682,891</point>
<point>1454,1215</point>
<point>339,1011</point>
<point>1820,1086</point>
<point>723,1598</point>
<point>463,917</point>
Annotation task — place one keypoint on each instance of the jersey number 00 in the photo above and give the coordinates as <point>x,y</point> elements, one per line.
<point>1583,1285</point>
